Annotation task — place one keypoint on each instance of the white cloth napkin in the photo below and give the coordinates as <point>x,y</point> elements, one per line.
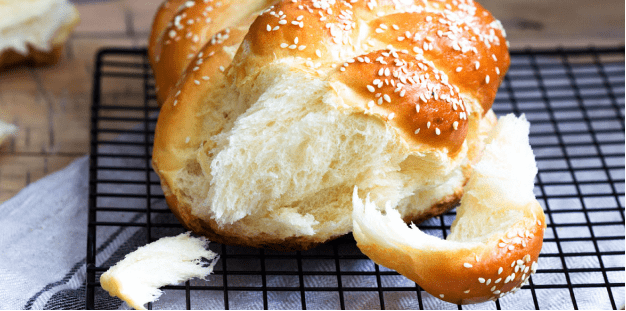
<point>42,263</point>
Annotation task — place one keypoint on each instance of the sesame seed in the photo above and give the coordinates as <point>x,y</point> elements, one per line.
<point>437,131</point>
<point>222,68</point>
<point>488,281</point>
<point>371,103</point>
<point>512,276</point>
<point>498,281</point>
<point>477,65</point>
<point>187,139</point>
<point>282,22</point>
<point>511,247</point>
<point>275,28</point>
<point>467,265</point>
<point>481,280</point>
<point>458,69</point>
<point>205,78</point>
<point>175,102</point>
<point>371,88</point>
<point>455,125</point>
<point>402,93</point>
<point>467,291</point>
<point>196,82</point>
<point>395,27</point>
<point>494,57</point>
<point>497,70</point>
<point>493,288</point>
<point>302,47</point>
<point>487,79</point>
<point>269,28</point>
<point>293,46</point>
<point>318,53</point>
<point>428,124</point>
<point>391,116</point>
<point>441,295</point>
<point>295,40</point>
<point>284,45</point>
<point>499,271</point>
<point>387,98</point>
<point>496,292</point>
<point>417,131</point>
<point>520,262</point>
<point>417,107</point>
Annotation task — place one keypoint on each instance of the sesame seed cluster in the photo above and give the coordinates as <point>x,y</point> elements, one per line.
<point>182,28</point>
<point>424,66</point>
<point>517,247</point>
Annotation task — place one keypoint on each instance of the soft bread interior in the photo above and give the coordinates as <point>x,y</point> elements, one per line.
<point>168,261</point>
<point>501,185</point>
<point>289,152</point>
<point>494,198</point>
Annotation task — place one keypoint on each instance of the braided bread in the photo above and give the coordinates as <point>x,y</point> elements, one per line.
<point>274,124</point>
<point>271,125</point>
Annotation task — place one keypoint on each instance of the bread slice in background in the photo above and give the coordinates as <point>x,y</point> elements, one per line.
<point>6,130</point>
<point>168,261</point>
<point>34,31</point>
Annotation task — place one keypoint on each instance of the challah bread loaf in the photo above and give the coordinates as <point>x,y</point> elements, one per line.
<point>33,32</point>
<point>494,242</point>
<point>182,27</point>
<point>263,140</point>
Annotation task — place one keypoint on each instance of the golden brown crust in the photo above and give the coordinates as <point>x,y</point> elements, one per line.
<point>182,28</point>
<point>33,57</point>
<point>426,110</point>
<point>162,18</point>
<point>486,271</point>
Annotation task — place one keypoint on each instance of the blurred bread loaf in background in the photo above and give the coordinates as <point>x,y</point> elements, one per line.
<point>33,32</point>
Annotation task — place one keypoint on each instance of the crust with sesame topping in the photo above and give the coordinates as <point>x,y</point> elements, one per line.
<point>182,27</point>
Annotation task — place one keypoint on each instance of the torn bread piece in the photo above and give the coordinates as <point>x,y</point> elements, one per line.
<point>170,260</point>
<point>495,240</point>
<point>6,130</point>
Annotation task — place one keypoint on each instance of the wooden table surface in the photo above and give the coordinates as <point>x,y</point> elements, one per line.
<point>51,105</point>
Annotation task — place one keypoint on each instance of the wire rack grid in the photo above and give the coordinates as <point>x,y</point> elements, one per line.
<point>574,100</point>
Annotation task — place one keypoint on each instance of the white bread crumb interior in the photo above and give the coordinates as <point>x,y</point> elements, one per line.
<point>170,260</point>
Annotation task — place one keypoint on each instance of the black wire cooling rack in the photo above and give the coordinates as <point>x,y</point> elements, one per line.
<point>574,100</point>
